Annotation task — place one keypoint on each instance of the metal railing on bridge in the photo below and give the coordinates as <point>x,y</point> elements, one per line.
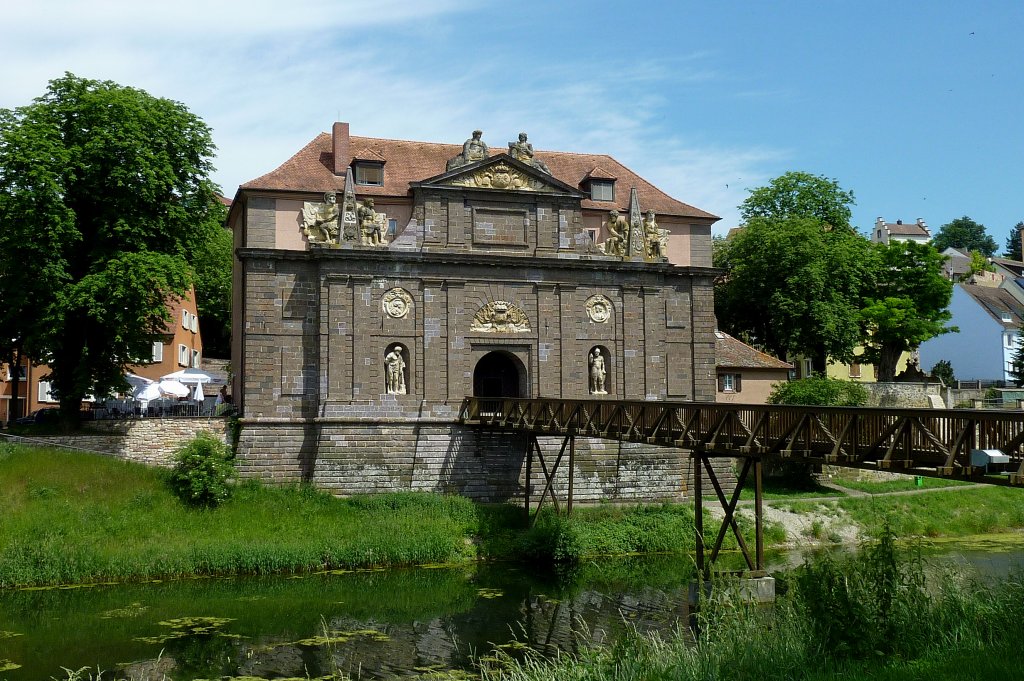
<point>976,445</point>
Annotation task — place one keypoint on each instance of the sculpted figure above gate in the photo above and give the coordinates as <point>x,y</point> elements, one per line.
<point>500,316</point>
<point>523,151</point>
<point>474,149</point>
<point>320,220</point>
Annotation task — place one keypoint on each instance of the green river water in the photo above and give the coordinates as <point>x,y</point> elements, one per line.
<point>375,624</point>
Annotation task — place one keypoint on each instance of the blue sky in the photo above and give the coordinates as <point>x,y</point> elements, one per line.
<point>915,106</point>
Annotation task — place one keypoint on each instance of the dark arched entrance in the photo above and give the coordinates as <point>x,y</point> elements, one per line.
<point>497,375</point>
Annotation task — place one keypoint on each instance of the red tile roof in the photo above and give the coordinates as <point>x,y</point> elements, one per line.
<point>311,170</point>
<point>733,354</point>
<point>900,229</point>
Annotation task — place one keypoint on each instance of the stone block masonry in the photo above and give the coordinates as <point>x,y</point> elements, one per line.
<point>359,456</point>
<point>148,441</point>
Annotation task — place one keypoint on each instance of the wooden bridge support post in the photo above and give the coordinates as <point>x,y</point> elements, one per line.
<point>698,512</point>
<point>758,515</point>
<point>530,441</point>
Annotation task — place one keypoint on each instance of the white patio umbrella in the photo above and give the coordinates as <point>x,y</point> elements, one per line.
<point>188,376</point>
<point>199,396</point>
<point>147,392</point>
<point>173,388</point>
<point>136,381</point>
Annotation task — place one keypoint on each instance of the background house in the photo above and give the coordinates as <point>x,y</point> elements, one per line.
<point>885,232</point>
<point>745,375</point>
<point>180,346</point>
<point>989,320</point>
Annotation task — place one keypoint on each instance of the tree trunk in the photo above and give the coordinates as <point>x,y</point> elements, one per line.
<point>888,359</point>
<point>15,410</point>
<point>70,413</point>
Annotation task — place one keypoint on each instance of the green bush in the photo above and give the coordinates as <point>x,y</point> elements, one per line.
<point>203,470</point>
<point>820,391</point>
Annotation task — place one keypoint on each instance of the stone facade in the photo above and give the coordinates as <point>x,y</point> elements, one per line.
<point>354,358</point>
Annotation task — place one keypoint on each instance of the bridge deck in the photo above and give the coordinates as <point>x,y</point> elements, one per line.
<point>929,442</point>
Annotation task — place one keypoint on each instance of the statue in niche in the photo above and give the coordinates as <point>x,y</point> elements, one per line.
<point>394,377</point>
<point>474,149</point>
<point>617,227</point>
<point>372,228</point>
<point>597,373</point>
<point>523,151</point>
<point>657,238</point>
<point>320,220</point>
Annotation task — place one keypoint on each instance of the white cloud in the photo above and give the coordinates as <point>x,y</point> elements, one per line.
<point>269,77</point>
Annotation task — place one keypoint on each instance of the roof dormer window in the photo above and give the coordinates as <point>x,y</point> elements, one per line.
<point>369,173</point>
<point>602,190</point>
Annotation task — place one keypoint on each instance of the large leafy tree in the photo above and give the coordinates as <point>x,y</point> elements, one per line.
<point>793,287</point>
<point>794,273</point>
<point>906,304</point>
<point>801,195</point>
<point>1013,244</point>
<point>212,265</point>
<point>964,234</point>
<point>104,195</point>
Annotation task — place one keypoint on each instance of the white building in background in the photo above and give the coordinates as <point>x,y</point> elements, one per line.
<point>885,232</point>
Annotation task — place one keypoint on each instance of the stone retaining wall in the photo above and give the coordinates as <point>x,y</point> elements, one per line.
<point>149,441</point>
<point>361,456</point>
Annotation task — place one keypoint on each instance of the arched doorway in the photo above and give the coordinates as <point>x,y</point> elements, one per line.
<point>497,374</point>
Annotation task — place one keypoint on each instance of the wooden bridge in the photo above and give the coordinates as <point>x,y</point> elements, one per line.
<point>957,444</point>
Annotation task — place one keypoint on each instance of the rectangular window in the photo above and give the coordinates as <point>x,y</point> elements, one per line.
<point>602,190</point>
<point>195,359</point>
<point>729,383</point>
<point>183,355</point>
<point>18,371</point>
<point>855,371</point>
<point>193,323</point>
<point>44,392</point>
<point>158,351</point>
<point>184,319</point>
<point>370,174</point>
<point>392,227</point>
<point>592,233</point>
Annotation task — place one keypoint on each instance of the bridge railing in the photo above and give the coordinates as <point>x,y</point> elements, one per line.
<point>922,441</point>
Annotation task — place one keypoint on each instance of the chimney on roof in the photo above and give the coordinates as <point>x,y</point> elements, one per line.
<point>899,222</point>
<point>342,154</point>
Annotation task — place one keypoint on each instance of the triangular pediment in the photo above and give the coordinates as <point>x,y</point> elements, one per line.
<point>501,173</point>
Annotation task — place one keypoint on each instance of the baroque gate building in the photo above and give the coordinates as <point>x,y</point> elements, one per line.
<point>378,282</point>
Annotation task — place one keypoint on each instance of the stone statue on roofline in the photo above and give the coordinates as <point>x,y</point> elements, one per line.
<point>474,149</point>
<point>523,151</point>
<point>657,238</point>
<point>618,228</point>
<point>320,220</point>
<point>372,225</point>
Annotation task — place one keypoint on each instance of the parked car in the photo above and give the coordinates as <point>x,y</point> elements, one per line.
<point>45,415</point>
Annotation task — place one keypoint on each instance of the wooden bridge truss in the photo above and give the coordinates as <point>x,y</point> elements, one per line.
<point>925,442</point>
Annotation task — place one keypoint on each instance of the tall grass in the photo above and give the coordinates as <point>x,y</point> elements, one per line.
<point>76,517</point>
<point>869,615</point>
<point>72,518</point>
